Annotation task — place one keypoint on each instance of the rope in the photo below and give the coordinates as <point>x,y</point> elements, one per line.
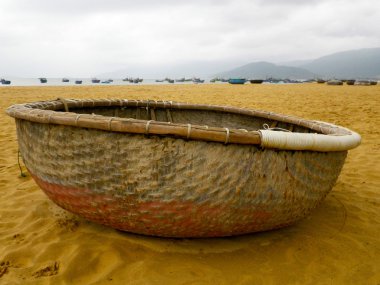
<point>152,114</point>
<point>188,130</point>
<point>227,135</point>
<point>266,127</point>
<point>22,174</point>
<point>147,127</point>
<point>109,123</point>
<point>169,115</point>
<point>77,118</point>
<point>64,102</point>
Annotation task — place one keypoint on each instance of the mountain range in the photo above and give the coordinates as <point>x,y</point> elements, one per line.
<point>356,64</point>
<point>352,64</point>
<point>264,70</point>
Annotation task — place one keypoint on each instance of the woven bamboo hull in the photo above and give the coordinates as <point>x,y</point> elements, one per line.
<point>165,186</point>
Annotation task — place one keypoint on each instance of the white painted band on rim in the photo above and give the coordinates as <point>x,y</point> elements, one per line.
<point>307,141</point>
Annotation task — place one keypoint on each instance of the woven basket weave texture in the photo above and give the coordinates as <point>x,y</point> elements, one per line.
<point>166,186</point>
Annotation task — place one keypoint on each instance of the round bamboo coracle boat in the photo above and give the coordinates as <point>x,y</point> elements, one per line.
<point>179,170</point>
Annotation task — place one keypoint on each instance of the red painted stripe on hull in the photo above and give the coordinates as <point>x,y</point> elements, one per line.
<point>169,219</point>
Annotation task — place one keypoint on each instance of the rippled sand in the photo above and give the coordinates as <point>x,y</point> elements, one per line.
<point>338,244</point>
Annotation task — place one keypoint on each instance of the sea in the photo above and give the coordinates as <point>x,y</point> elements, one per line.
<point>85,82</point>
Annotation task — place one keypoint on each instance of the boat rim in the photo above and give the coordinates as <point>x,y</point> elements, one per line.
<point>327,137</point>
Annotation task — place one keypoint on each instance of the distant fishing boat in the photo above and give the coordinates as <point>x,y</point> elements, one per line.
<point>273,80</point>
<point>5,82</point>
<point>95,80</point>
<point>363,82</point>
<point>43,80</point>
<point>180,80</point>
<point>309,81</point>
<point>335,82</point>
<point>216,79</point>
<point>110,80</point>
<point>160,80</point>
<point>169,80</point>
<point>372,82</point>
<point>321,81</point>
<point>287,80</point>
<point>198,80</point>
<point>106,82</point>
<point>237,80</point>
<point>78,81</point>
<point>350,82</point>
<point>65,80</point>
<point>256,81</point>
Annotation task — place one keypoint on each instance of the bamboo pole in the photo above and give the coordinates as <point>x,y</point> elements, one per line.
<point>52,112</point>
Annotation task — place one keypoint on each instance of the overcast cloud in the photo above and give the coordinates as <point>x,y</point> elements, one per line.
<point>83,38</point>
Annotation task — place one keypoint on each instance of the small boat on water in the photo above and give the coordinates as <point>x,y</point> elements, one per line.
<point>350,81</point>
<point>78,81</point>
<point>216,79</point>
<point>169,80</point>
<point>321,81</point>
<point>65,80</point>
<point>334,82</point>
<point>291,81</point>
<point>237,80</point>
<point>43,80</point>
<point>273,80</point>
<point>5,82</point>
<point>95,80</point>
<point>180,80</point>
<point>106,82</point>
<point>363,82</point>
<point>198,80</point>
<point>131,80</point>
<point>372,82</point>
<point>256,81</point>
<point>160,80</point>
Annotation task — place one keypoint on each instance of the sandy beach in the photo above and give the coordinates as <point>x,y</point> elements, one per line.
<point>338,243</point>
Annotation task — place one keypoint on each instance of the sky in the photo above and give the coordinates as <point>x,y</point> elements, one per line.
<point>149,38</point>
